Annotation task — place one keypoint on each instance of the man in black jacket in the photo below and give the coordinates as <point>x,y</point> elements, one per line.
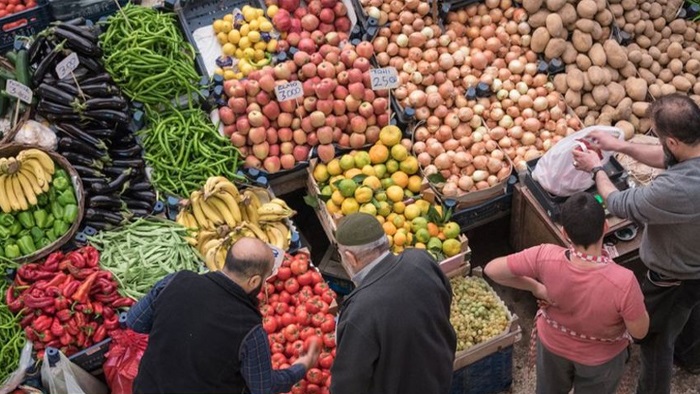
<point>205,331</point>
<point>394,332</point>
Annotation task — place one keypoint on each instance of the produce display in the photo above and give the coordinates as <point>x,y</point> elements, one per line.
<point>11,335</point>
<point>141,253</point>
<point>310,26</point>
<point>15,7</point>
<point>295,305</point>
<point>66,301</point>
<point>476,313</point>
<point>246,35</point>
<point>14,65</point>
<point>92,122</point>
<point>220,214</point>
<point>38,202</point>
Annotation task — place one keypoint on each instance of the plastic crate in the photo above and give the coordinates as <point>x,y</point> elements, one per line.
<point>33,22</point>
<point>481,214</point>
<point>92,358</point>
<point>93,10</point>
<point>492,374</point>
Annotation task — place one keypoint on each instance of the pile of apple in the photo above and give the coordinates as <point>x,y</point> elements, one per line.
<point>338,107</point>
<point>295,305</point>
<point>309,27</point>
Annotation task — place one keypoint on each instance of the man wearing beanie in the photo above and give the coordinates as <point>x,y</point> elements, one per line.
<point>394,333</point>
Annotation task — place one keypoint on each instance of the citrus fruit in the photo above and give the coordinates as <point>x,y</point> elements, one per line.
<point>321,173</point>
<point>409,165</point>
<point>347,162</point>
<point>353,172</point>
<point>363,194</point>
<point>399,152</point>
<point>362,159</point>
<point>384,208</point>
<point>368,170</point>
<point>380,196</point>
<point>222,38</point>
<point>378,154</point>
<point>399,221</point>
<point>400,239</point>
<point>390,135</point>
<point>419,223</point>
<point>414,183</point>
<point>327,190</point>
<point>400,179</point>
<point>412,211</point>
<point>337,198</point>
<point>389,228</point>
<point>422,235</point>
<point>399,207</point>
<point>347,187</point>
<point>332,208</point>
<point>395,193</point>
<point>349,206</point>
<point>234,36</point>
<point>379,170</point>
<point>369,208</point>
<point>433,229</point>
<point>386,182</point>
<point>451,247</point>
<point>392,166</point>
<point>272,11</point>
<point>218,26</point>
<point>451,230</point>
<point>334,167</point>
<point>372,182</point>
<point>434,243</point>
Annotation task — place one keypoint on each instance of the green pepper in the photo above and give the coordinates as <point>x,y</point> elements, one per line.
<point>51,235</point>
<point>4,232</point>
<point>67,197</point>
<point>12,251</point>
<point>6,219</point>
<point>26,245</point>
<point>26,219</point>
<point>60,173</point>
<point>42,199</point>
<point>60,227</point>
<point>52,194</point>
<point>44,242</point>
<point>40,217</point>
<point>61,184</point>
<point>56,210</point>
<point>70,213</point>
<point>15,228</point>
<point>36,234</point>
<point>2,252</point>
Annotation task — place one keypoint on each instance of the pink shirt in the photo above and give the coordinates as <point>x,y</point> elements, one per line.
<point>592,302</point>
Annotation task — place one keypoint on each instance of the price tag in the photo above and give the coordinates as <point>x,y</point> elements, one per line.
<point>67,65</point>
<point>384,78</point>
<point>19,91</point>
<point>289,91</point>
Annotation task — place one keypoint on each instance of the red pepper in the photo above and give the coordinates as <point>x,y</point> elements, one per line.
<point>54,342</point>
<point>81,340</point>
<point>61,303</point>
<point>27,271</point>
<point>72,328</point>
<point>108,312</point>
<point>92,256</point>
<point>106,299</point>
<point>46,337</point>
<point>55,282</point>
<point>40,284</point>
<point>124,301</point>
<point>104,274</point>
<point>41,323</point>
<point>84,273</point>
<point>97,308</point>
<point>70,288</point>
<point>49,310</point>
<point>84,289</point>
<point>65,265</point>
<point>111,323</point>
<point>51,263</point>
<point>30,334</point>
<point>63,315</point>
<point>36,302</point>
<point>100,334</point>
<point>40,353</point>
<point>56,328</point>
<point>66,339</point>
<point>10,295</point>
<point>80,319</point>
<point>26,321</point>
<point>39,275</point>
<point>77,259</point>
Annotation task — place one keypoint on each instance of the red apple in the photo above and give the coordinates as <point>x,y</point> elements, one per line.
<point>326,152</point>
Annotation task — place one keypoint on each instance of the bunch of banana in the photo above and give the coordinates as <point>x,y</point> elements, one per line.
<point>23,178</point>
<point>217,205</point>
<point>274,211</point>
<point>278,234</point>
<point>215,255</point>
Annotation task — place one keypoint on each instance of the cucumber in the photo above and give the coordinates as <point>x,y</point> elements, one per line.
<point>12,57</point>
<point>22,68</point>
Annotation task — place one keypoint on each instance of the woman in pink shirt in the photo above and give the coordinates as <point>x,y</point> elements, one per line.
<point>592,306</point>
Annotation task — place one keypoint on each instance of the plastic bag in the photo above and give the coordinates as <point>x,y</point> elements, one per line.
<point>25,361</point>
<point>555,170</point>
<point>123,360</point>
<point>60,376</point>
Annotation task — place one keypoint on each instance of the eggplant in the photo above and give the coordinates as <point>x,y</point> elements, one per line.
<point>108,114</point>
<point>88,172</point>
<point>101,133</point>
<point>97,79</point>
<point>74,145</point>
<point>57,118</point>
<point>137,204</point>
<point>81,30</point>
<point>77,158</point>
<point>49,107</point>
<point>127,153</point>
<point>90,64</point>
<point>114,172</point>
<point>146,196</point>
<point>133,163</point>
<point>115,103</point>
<point>77,42</point>
<point>98,225</point>
<point>79,73</point>
<point>100,215</point>
<point>100,90</point>
<point>54,94</point>
<point>43,67</point>
<point>37,49</point>
<point>89,181</point>
<point>75,132</point>
<point>142,186</point>
<point>126,140</point>
<point>105,201</point>
<point>141,213</point>
<point>75,21</point>
<point>68,88</point>
<point>120,182</point>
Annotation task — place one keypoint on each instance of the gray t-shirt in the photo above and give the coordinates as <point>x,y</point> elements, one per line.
<point>669,211</point>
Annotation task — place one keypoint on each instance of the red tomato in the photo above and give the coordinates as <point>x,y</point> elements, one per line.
<point>20,8</point>
<point>328,381</point>
<point>329,340</point>
<point>284,366</point>
<point>30,5</point>
<point>279,284</point>
<point>278,357</point>
<point>266,310</point>
<point>313,389</point>
<point>281,308</point>
<point>328,325</point>
<point>325,360</point>
<point>13,2</point>
<point>328,296</point>
<point>299,266</point>
<point>3,14</point>
<point>10,10</point>
<point>318,319</point>
<point>284,273</point>
<point>288,319</point>
<point>314,376</point>
<point>303,317</point>
<point>287,260</point>
<point>274,298</point>
<point>299,388</point>
<point>305,293</point>
<point>277,337</point>
<point>291,285</point>
<point>289,350</point>
<point>291,333</point>
<point>298,347</point>
<point>314,304</point>
<point>285,297</point>
<point>305,279</point>
<point>325,390</point>
<point>269,324</point>
<point>324,307</point>
<point>307,332</point>
<point>320,288</point>
<point>2,6</point>
<point>333,353</point>
<point>310,340</point>
<point>277,348</point>
<point>316,276</point>
<point>326,373</point>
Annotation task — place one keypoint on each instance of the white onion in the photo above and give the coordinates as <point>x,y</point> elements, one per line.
<point>506,122</point>
<point>402,40</point>
<point>514,95</point>
<point>427,32</point>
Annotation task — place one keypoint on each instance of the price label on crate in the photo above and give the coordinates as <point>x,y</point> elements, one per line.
<point>384,78</point>
<point>67,65</point>
<point>289,91</point>
<point>19,91</point>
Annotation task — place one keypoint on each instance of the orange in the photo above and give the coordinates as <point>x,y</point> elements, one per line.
<point>409,165</point>
<point>395,193</point>
<point>378,154</point>
<point>400,239</point>
<point>389,228</point>
<point>390,135</point>
<point>414,183</point>
<point>400,179</point>
<point>433,229</point>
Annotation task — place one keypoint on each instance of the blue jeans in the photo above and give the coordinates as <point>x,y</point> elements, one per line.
<point>675,327</point>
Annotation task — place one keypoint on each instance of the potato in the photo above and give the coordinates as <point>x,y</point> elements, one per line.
<point>586,9</point>
<point>617,93</point>
<point>555,47</point>
<point>639,28</point>
<point>666,75</point>
<point>628,71</point>
<point>605,33</point>
<point>696,88</point>
<point>617,57</point>
<point>663,60</point>
<point>655,11</point>
<point>537,19</point>
<point>587,85</point>
<point>629,4</point>
<point>532,6</point>
<point>568,16</point>
<point>604,17</point>
<point>659,24</point>
<point>676,38</point>
<point>540,39</point>
<point>583,62</point>
<point>555,27</point>
<point>676,66</point>
<point>590,121</point>
<point>580,111</point>
<point>647,61</point>
<point>570,53</point>
<point>689,35</point>
<point>695,55</point>
<point>633,16</point>
<point>623,110</point>
<point>692,66</point>
<point>674,50</point>
<point>665,32</point>
<point>636,88</point>
<point>634,56</point>
<point>681,84</point>
<point>661,46</point>
<point>691,77</point>
<point>600,94</point>
<point>643,41</point>
<point>649,28</point>
<point>654,52</point>
<point>655,38</point>
<point>596,75</point>
<point>598,32</point>
<point>601,4</point>
<point>626,127</point>
<point>555,5</point>
<point>617,10</point>
<point>605,119</point>
<point>678,26</point>
<point>574,80</point>
<point>647,76</point>
<point>655,91</point>
<point>584,25</point>
<point>581,41</point>
<point>655,68</point>
<point>612,75</point>
<point>597,55</point>
<point>639,108</point>
<point>667,89</point>
<point>559,82</point>
<point>573,99</point>
<point>588,101</point>
<point>635,121</point>
<point>628,28</point>
<point>644,125</point>
<point>685,56</point>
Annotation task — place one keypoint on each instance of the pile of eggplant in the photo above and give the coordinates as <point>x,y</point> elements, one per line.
<point>93,122</point>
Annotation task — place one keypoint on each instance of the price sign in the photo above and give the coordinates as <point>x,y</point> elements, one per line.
<point>289,91</point>
<point>19,91</point>
<point>384,78</point>
<point>67,65</point>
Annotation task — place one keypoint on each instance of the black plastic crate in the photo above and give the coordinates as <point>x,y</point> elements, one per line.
<point>92,358</point>
<point>33,22</point>
<point>490,375</point>
<point>481,214</point>
<point>64,10</point>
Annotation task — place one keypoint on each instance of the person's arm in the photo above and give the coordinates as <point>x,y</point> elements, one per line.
<point>140,316</point>
<point>633,310</point>
<point>256,365</point>
<point>499,271</point>
<point>651,155</point>
<point>638,328</point>
<point>353,367</point>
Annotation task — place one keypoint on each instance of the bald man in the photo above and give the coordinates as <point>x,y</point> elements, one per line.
<point>205,331</point>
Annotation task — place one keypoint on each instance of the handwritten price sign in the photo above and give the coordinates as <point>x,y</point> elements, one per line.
<point>384,78</point>
<point>67,65</point>
<point>19,91</point>
<point>289,91</point>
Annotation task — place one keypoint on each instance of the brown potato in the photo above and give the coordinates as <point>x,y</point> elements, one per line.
<point>581,41</point>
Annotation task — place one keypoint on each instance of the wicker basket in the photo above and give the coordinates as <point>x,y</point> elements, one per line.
<point>10,135</point>
<point>13,150</point>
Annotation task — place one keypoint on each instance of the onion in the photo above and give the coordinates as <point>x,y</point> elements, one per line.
<point>427,32</point>
<point>506,121</point>
<point>514,95</point>
<point>516,67</point>
<point>528,138</point>
<point>479,175</point>
<point>540,104</point>
<point>446,61</point>
<point>516,132</point>
<point>402,40</point>
<point>497,114</point>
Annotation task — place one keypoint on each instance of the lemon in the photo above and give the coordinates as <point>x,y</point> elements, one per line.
<point>265,26</point>
<point>222,38</point>
<point>245,29</point>
<point>272,46</point>
<point>229,74</point>
<point>258,55</point>
<point>249,14</point>
<point>259,12</point>
<point>248,53</point>
<point>254,36</point>
<point>226,27</point>
<point>239,53</point>
<point>218,25</point>
<point>234,36</point>
<point>244,42</point>
<point>349,206</point>
<point>229,49</point>
<point>272,10</point>
<point>228,18</point>
<point>219,71</point>
<point>254,25</point>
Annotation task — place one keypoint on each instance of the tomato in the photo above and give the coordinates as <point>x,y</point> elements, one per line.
<point>20,8</point>
<point>324,307</point>
<point>281,308</point>
<point>313,389</point>
<point>269,287</point>
<point>269,324</point>
<point>285,297</point>
<point>329,340</point>
<point>291,285</point>
<point>305,279</point>
<point>10,10</point>
<point>3,14</point>
<point>328,325</point>
<point>291,333</point>
<point>325,360</point>
<point>318,319</point>
<point>288,318</point>
<point>287,260</point>
<point>284,273</point>
<point>314,375</point>
<point>278,357</point>
<point>277,348</point>
<point>279,284</point>
<point>13,2</point>
<point>328,296</point>
<point>320,288</point>
<point>316,276</point>
<point>2,6</point>
<point>310,340</point>
<point>303,317</point>
<point>328,381</point>
<point>299,388</point>
<point>307,332</point>
<point>298,347</point>
<point>266,310</point>
<point>305,293</point>
<point>299,266</point>
<point>277,337</point>
<point>326,373</point>
<point>325,390</point>
<point>289,350</point>
<point>314,304</point>
<point>284,366</point>
<point>274,298</point>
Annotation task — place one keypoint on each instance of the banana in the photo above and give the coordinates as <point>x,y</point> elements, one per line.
<point>227,187</point>
<point>9,186</point>
<point>252,198</point>
<point>244,212</point>
<point>221,258</point>
<point>46,163</point>
<point>31,178</point>
<point>256,231</point>
<point>26,187</point>
<point>19,193</point>
<point>283,229</point>
<point>38,171</point>
<point>3,165</point>
<point>231,204</point>
<point>203,237</point>
<point>276,237</point>
<point>223,209</point>
<point>4,195</point>
<point>210,259</point>
<point>212,244</point>
<point>199,215</point>
<point>280,202</point>
<point>211,183</point>
<point>186,219</point>
<point>263,196</point>
<point>273,212</point>
<point>211,213</point>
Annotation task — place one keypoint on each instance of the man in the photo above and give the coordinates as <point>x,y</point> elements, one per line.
<point>394,333</point>
<point>205,331</point>
<point>590,304</point>
<point>668,209</point>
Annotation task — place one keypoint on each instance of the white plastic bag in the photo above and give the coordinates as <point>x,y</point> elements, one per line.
<point>555,170</point>
<point>25,360</point>
<point>60,376</point>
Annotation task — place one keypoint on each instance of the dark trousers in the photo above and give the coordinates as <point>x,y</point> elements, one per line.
<point>674,332</point>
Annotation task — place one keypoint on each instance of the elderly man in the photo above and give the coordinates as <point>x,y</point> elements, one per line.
<point>205,331</point>
<point>394,332</point>
<point>669,211</point>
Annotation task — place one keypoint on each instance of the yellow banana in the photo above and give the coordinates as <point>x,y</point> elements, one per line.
<point>257,232</point>
<point>4,195</point>
<point>26,187</point>
<point>14,203</point>
<point>19,193</point>
<point>36,187</point>
<point>46,163</point>
<point>281,226</point>
<point>272,209</point>
<point>275,236</point>
<point>252,198</point>
<point>231,204</point>
<point>280,202</point>
<point>227,187</point>
<point>221,257</point>
<point>38,171</point>
<point>214,243</point>
<point>211,213</point>
<point>223,209</point>
<point>203,237</point>
<point>3,165</point>
<point>210,260</point>
<point>198,212</point>
<point>263,195</point>
<point>244,212</point>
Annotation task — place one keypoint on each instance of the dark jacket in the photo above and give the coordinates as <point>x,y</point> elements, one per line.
<point>394,331</point>
<point>199,324</point>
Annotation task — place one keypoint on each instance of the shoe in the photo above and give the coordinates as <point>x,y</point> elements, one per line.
<point>691,369</point>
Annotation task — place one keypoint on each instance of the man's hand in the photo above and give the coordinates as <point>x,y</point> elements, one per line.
<point>605,141</point>
<point>540,292</point>
<point>586,161</point>
<point>309,358</point>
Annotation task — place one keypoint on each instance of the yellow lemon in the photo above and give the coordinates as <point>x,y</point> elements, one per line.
<point>353,172</point>
<point>400,179</point>
<point>245,29</point>
<point>228,18</point>
<point>349,206</point>
<point>254,25</point>
<point>244,42</point>
<point>229,49</point>
<point>369,208</point>
<point>249,14</point>
<point>265,26</point>
<point>245,68</point>
<point>372,182</point>
<point>363,194</point>
<point>229,74</point>
<point>226,27</point>
<point>337,198</point>
<point>234,36</point>
<point>368,170</point>
<point>332,208</point>
<point>451,247</point>
<point>412,211</point>
<point>260,46</point>
<point>272,10</point>
<point>218,25</point>
<point>399,207</point>
<point>389,228</point>
<point>222,38</point>
<point>321,173</point>
<point>248,53</point>
<point>259,55</point>
<point>414,183</point>
<point>395,193</point>
<point>451,230</point>
<point>219,71</point>
<point>272,46</point>
<point>334,167</point>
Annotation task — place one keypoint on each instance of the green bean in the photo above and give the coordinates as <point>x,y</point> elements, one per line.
<point>11,336</point>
